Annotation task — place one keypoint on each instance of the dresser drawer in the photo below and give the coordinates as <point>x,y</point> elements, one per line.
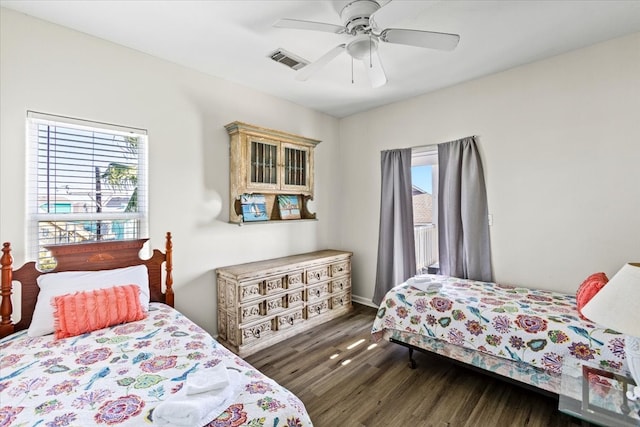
<point>317,308</point>
<point>295,279</point>
<point>248,291</point>
<point>317,292</point>
<point>340,268</point>
<point>251,311</point>
<point>295,298</point>
<point>273,285</point>
<point>317,274</point>
<point>340,300</point>
<point>341,284</point>
<point>274,305</point>
<point>289,319</point>
<point>256,332</point>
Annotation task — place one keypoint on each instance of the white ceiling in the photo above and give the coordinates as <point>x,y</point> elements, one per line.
<point>232,39</point>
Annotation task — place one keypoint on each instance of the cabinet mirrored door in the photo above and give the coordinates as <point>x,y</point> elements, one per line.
<point>296,166</point>
<point>263,164</point>
<point>295,170</point>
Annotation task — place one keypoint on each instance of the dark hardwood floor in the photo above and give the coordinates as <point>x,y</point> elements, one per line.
<point>346,380</point>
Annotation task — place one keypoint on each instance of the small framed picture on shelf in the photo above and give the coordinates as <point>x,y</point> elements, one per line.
<point>289,206</point>
<point>254,207</point>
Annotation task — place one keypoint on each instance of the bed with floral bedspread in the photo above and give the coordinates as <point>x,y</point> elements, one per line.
<point>118,375</point>
<point>520,333</point>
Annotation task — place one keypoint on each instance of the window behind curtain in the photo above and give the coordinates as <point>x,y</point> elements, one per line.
<point>424,177</point>
<point>87,182</point>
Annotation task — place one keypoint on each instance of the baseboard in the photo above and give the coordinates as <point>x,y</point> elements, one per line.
<point>364,301</point>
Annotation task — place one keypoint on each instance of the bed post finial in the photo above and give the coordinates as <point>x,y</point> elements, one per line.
<point>169,269</point>
<point>6,327</point>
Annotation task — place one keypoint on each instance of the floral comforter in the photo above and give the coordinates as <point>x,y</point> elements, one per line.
<point>537,328</point>
<point>118,375</point>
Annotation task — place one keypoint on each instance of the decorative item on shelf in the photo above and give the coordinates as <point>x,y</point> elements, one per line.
<point>289,206</point>
<point>254,207</point>
<point>616,306</point>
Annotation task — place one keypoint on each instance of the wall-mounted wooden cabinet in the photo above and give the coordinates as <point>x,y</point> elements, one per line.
<point>271,163</point>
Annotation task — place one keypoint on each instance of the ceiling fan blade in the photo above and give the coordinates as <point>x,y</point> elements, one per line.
<point>428,39</point>
<point>310,69</point>
<point>375,70</point>
<point>309,25</point>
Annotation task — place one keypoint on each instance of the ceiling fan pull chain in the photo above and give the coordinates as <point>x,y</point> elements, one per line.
<point>352,70</point>
<point>370,54</point>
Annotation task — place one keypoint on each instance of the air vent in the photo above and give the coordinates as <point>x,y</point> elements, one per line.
<point>288,59</point>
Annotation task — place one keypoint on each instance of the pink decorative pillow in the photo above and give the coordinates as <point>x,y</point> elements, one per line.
<point>87,311</point>
<point>588,289</point>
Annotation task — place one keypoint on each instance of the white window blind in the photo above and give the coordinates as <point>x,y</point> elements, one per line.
<point>87,182</point>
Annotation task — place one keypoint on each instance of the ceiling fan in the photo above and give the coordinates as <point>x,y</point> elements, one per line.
<point>358,18</point>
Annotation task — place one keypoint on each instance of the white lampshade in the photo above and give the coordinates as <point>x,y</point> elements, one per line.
<point>617,304</point>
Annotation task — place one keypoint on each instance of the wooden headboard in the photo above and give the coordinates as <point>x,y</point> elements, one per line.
<point>92,256</point>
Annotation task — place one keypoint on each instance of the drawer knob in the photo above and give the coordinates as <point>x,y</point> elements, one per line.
<point>256,333</point>
<point>318,309</point>
<point>318,293</point>
<point>291,320</point>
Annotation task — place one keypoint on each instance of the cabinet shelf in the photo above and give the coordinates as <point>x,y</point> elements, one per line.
<point>273,221</point>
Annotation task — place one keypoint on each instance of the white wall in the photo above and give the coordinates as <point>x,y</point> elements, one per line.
<point>51,69</point>
<point>560,141</point>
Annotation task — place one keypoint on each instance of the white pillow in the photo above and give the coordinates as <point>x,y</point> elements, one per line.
<point>65,282</point>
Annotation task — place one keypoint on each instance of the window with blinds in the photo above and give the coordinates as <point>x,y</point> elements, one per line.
<point>87,183</point>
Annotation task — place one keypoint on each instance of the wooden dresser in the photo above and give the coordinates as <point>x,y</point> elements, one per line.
<point>262,303</point>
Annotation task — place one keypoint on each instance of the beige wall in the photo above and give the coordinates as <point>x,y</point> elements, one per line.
<point>560,141</point>
<point>47,68</point>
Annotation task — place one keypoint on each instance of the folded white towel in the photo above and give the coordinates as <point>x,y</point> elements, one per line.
<point>196,409</point>
<point>205,380</point>
<point>424,284</point>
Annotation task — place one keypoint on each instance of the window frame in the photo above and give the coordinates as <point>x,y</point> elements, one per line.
<point>35,217</point>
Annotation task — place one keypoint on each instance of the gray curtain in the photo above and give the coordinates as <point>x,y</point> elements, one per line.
<point>396,248</point>
<point>463,226</point>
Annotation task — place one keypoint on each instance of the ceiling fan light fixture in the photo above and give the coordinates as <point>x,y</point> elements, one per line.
<point>362,46</point>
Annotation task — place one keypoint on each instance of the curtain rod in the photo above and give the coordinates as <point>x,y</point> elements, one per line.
<point>434,146</point>
<point>426,147</point>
